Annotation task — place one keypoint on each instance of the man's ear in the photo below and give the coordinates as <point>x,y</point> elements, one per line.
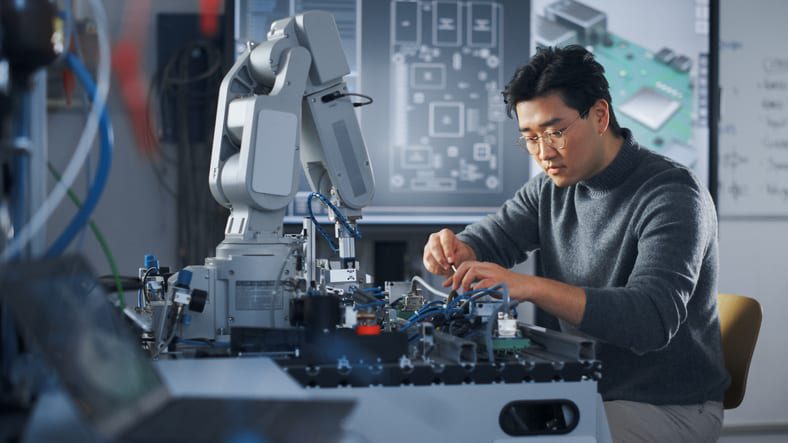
<point>600,115</point>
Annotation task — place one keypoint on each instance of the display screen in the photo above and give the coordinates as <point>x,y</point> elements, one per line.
<point>443,149</point>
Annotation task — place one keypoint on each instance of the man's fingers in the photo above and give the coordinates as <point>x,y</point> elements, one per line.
<point>456,278</point>
<point>448,243</point>
<point>469,278</point>
<point>432,265</point>
<point>440,259</point>
<point>433,258</point>
<point>484,284</point>
<point>464,276</point>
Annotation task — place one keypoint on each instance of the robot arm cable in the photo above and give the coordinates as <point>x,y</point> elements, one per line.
<point>341,217</point>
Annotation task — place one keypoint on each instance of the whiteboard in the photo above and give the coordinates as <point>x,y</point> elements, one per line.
<point>753,129</point>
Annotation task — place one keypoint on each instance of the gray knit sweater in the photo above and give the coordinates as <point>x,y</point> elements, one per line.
<point>641,238</point>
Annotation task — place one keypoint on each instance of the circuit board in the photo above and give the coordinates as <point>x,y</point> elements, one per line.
<point>652,98</point>
<point>447,110</point>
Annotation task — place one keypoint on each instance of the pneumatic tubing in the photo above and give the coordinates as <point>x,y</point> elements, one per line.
<point>39,219</point>
<point>82,217</point>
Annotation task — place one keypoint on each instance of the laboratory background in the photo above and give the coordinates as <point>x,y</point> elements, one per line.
<point>213,213</point>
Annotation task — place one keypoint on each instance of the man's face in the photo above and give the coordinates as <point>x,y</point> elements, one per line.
<point>581,154</point>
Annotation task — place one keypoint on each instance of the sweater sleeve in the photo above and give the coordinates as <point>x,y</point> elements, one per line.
<point>507,236</point>
<point>674,229</point>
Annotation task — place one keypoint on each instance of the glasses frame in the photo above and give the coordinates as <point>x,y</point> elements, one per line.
<point>541,140</point>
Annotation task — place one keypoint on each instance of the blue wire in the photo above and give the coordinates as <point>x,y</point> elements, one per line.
<point>317,225</point>
<point>500,289</point>
<point>102,173</point>
<point>341,217</point>
<point>422,314</point>
<point>449,310</point>
<point>418,316</point>
<point>375,289</point>
<point>428,305</point>
<point>375,292</point>
<point>456,300</point>
<point>68,19</point>
<point>370,304</point>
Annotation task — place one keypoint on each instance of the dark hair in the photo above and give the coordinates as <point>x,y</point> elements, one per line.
<point>570,71</point>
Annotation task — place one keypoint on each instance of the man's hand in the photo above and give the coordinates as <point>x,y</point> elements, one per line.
<point>484,275</point>
<point>560,299</point>
<point>444,249</point>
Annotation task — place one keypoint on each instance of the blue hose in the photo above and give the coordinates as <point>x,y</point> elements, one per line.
<point>340,217</point>
<point>21,165</point>
<point>82,217</point>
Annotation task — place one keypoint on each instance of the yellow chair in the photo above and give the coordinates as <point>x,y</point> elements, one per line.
<point>740,321</point>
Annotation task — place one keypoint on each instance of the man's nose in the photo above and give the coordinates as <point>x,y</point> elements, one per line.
<point>546,152</point>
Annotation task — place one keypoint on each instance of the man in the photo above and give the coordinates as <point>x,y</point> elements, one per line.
<point>628,241</point>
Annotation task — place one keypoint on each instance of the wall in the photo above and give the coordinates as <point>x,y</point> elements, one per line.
<point>753,222</point>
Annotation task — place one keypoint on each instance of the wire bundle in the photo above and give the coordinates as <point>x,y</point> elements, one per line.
<point>457,305</point>
<point>187,87</point>
<point>355,232</point>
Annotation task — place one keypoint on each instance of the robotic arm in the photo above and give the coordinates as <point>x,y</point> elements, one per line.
<point>285,99</point>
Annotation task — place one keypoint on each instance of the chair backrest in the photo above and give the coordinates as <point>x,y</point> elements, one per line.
<point>740,322</point>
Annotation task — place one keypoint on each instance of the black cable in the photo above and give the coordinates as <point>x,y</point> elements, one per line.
<point>336,94</point>
<point>142,283</point>
<point>195,97</point>
<point>184,54</point>
<point>152,135</point>
<point>129,283</point>
<point>162,181</point>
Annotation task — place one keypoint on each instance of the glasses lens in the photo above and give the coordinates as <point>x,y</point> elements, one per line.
<point>555,139</point>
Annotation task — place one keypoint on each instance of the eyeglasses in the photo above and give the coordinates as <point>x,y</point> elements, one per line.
<point>553,139</point>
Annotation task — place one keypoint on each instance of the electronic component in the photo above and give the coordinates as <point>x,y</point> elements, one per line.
<point>682,63</point>
<point>550,33</point>
<point>589,23</point>
<point>413,300</point>
<point>650,108</point>
<point>665,55</point>
<point>367,323</point>
<point>510,344</point>
<point>507,325</point>
<point>484,309</point>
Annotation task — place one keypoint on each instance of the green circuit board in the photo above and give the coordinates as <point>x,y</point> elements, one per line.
<point>511,344</point>
<point>645,86</point>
